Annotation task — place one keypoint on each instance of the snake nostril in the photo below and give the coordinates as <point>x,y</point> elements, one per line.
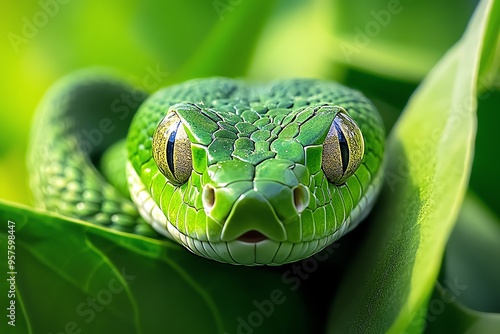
<point>208,197</point>
<point>300,198</point>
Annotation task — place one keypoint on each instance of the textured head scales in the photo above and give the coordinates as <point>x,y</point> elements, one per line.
<point>256,192</point>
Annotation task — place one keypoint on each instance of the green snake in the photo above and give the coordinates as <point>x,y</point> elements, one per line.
<point>238,172</point>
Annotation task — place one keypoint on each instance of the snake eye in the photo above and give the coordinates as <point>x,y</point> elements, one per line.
<point>343,148</point>
<point>172,149</point>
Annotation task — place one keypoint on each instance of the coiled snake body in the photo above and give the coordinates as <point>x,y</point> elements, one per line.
<point>236,172</point>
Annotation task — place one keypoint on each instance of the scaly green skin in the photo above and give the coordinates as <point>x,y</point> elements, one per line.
<point>253,145</point>
<point>75,122</point>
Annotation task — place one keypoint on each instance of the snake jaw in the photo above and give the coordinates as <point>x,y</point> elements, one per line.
<point>239,250</point>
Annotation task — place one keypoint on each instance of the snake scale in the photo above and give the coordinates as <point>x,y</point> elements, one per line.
<point>237,172</point>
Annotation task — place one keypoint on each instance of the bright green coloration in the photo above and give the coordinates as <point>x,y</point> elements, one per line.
<point>137,284</point>
<point>77,120</point>
<point>111,166</point>
<point>430,154</point>
<point>379,276</point>
<point>256,193</point>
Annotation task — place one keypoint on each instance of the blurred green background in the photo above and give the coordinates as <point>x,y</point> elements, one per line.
<point>354,42</point>
<point>383,48</point>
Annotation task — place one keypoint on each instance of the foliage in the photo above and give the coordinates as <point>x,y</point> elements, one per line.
<point>383,277</point>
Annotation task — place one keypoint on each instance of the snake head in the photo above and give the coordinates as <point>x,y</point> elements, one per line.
<point>250,186</point>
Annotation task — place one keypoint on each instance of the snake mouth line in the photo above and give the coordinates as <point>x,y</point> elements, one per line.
<point>252,237</point>
<point>266,252</point>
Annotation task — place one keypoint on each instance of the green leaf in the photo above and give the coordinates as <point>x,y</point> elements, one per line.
<point>467,293</point>
<point>229,47</point>
<point>472,257</point>
<point>484,175</point>
<point>391,38</point>
<point>173,30</point>
<point>429,160</point>
<point>297,42</point>
<point>446,315</point>
<point>71,274</point>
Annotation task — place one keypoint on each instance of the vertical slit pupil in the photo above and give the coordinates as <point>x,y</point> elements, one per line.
<point>170,146</point>
<point>344,149</point>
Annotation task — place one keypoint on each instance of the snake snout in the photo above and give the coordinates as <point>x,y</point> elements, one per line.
<point>254,211</point>
<point>244,213</point>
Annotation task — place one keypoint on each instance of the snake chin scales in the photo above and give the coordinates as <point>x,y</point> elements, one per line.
<point>255,174</point>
